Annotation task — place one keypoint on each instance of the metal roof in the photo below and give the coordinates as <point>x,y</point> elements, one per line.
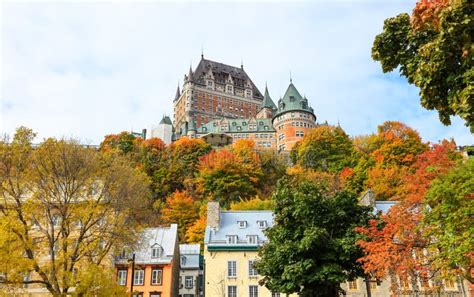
<point>229,225</point>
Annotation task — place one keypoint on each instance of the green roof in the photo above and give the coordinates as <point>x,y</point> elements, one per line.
<point>166,120</point>
<point>237,126</point>
<point>267,100</point>
<point>292,100</point>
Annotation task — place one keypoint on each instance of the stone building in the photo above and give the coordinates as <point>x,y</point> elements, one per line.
<point>164,130</point>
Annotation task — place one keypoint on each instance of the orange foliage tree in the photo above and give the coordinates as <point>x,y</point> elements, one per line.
<point>229,174</point>
<point>180,209</point>
<point>391,242</point>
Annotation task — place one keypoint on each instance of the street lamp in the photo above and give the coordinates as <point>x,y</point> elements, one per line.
<point>131,261</point>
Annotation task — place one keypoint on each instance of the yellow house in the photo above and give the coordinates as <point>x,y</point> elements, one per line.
<point>231,246</point>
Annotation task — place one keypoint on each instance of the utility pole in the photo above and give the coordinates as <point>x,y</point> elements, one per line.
<point>133,273</point>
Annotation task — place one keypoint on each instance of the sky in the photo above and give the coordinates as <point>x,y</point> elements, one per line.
<point>88,69</point>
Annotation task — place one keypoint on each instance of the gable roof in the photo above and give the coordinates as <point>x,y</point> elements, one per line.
<point>221,72</point>
<point>164,237</point>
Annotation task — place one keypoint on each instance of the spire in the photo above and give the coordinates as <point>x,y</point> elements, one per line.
<point>202,52</point>
<point>291,79</point>
<point>267,100</point>
<point>241,63</point>
<point>190,74</point>
<point>178,93</point>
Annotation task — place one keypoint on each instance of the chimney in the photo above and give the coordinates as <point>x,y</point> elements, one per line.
<point>213,215</point>
<point>368,198</point>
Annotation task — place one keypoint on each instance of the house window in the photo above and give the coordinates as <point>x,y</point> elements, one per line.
<point>138,277</point>
<point>56,220</point>
<point>231,239</point>
<point>231,269</point>
<point>425,284</point>
<point>253,291</point>
<point>449,284</point>
<point>352,285</point>
<point>252,239</point>
<point>156,252</point>
<point>123,254</point>
<point>242,224</point>
<point>275,294</point>
<point>155,294</point>
<point>252,270</point>
<point>122,277</point>
<point>188,282</point>
<point>156,276</point>
<point>231,291</point>
<point>262,224</point>
<point>404,282</point>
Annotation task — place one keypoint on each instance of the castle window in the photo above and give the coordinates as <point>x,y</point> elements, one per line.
<point>244,124</point>
<point>239,128</point>
<point>260,123</point>
<point>265,128</point>
<point>299,133</point>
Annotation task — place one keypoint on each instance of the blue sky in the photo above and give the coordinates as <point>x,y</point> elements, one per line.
<point>89,69</point>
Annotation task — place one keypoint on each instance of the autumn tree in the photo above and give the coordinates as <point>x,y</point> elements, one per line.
<point>180,209</point>
<point>229,174</point>
<point>255,203</point>
<point>64,208</point>
<point>182,161</point>
<point>325,148</point>
<point>392,241</point>
<point>195,233</point>
<point>433,49</point>
<point>311,247</point>
<point>448,220</point>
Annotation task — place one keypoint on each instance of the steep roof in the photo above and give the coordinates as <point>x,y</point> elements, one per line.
<point>166,120</point>
<point>190,255</point>
<point>229,225</point>
<point>292,100</point>
<point>164,237</point>
<point>267,100</point>
<point>178,94</point>
<point>221,72</point>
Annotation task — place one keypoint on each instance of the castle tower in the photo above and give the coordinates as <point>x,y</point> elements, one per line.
<point>293,118</point>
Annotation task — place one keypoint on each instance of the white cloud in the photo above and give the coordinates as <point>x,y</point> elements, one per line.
<point>89,69</point>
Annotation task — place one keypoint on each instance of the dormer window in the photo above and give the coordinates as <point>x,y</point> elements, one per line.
<point>232,239</point>
<point>183,261</point>
<point>242,224</point>
<point>156,251</point>
<point>252,239</point>
<point>262,224</point>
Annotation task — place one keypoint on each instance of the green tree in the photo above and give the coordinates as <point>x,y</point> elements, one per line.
<point>433,50</point>
<point>64,207</point>
<point>311,247</point>
<point>448,220</point>
<point>324,148</point>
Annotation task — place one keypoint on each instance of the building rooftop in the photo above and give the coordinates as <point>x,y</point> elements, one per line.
<point>292,100</point>
<point>383,206</point>
<point>243,224</point>
<point>162,238</point>
<point>221,72</point>
<point>190,255</point>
